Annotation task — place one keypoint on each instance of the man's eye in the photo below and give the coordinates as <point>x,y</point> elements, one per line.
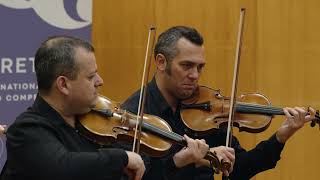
<point>187,66</point>
<point>200,67</point>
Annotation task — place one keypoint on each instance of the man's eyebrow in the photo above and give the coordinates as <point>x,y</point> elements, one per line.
<point>191,62</point>
<point>187,61</point>
<point>93,72</point>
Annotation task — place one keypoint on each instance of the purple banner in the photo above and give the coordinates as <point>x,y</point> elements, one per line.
<point>24,25</point>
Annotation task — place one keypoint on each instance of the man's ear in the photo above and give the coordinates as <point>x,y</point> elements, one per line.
<point>62,85</point>
<point>161,62</point>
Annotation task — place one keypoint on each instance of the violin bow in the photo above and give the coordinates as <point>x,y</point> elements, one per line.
<point>234,84</point>
<point>143,90</point>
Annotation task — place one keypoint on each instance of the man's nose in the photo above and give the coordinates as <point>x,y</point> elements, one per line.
<point>194,73</point>
<point>99,81</point>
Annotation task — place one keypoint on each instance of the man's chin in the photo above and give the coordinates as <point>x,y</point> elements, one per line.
<point>94,102</point>
<point>84,111</point>
<point>185,94</point>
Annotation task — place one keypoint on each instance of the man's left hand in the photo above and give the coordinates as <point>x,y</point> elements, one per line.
<point>295,119</point>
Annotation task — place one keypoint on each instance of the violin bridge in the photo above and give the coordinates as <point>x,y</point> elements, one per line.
<point>120,129</point>
<point>215,117</point>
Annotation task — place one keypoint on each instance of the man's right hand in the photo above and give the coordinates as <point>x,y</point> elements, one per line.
<point>225,154</point>
<point>135,167</point>
<point>2,129</point>
<point>195,150</point>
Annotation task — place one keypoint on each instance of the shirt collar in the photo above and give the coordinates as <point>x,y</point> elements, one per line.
<point>158,100</point>
<point>44,109</point>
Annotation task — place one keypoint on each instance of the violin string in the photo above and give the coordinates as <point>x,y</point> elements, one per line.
<point>247,107</point>
<point>259,108</point>
<point>258,105</point>
<point>168,134</point>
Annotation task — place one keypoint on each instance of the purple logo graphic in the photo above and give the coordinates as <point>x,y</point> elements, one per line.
<point>68,14</point>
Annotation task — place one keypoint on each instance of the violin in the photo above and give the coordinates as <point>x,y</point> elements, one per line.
<point>107,123</point>
<point>207,110</point>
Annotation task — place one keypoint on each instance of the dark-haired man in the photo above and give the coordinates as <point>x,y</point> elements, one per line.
<point>179,57</point>
<point>43,142</point>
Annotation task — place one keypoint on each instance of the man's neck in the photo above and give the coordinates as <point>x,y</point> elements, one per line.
<point>171,100</point>
<point>57,104</point>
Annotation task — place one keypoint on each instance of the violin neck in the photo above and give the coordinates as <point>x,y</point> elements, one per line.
<point>169,135</point>
<point>174,137</point>
<point>258,109</point>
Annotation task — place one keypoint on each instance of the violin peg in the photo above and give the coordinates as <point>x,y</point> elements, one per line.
<point>313,123</point>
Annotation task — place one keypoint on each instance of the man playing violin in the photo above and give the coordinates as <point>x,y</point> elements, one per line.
<point>179,57</point>
<point>43,142</point>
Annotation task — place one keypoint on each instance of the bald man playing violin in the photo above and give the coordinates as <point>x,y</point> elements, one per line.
<point>43,143</point>
<point>179,57</point>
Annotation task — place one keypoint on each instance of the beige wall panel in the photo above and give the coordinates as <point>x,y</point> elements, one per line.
<point>120,31</point>
<point>288,54</point>
<point>279,58</point>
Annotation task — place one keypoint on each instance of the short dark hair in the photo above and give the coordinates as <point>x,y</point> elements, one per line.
<point>167,41</point>
<point>56,57</point>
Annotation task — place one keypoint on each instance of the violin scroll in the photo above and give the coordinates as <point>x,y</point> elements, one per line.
<point>316,120</point>
<point>215,164</point>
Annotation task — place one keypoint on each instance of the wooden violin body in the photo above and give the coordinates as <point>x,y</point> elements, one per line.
<point>103,129</point>
<point>207,110</point>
